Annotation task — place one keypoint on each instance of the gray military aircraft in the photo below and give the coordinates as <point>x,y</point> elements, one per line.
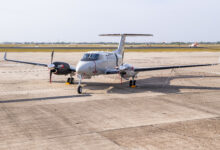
<point>102,63</point>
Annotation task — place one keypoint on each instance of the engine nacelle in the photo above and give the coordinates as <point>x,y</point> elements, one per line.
<point>61,68</point>
<point>126,71</point>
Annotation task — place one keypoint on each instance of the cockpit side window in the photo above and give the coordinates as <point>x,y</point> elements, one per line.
<point>90,57</point>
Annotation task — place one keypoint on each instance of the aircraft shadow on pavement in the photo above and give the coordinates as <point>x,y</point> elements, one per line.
<point>43,98</point>
<point>153,84</point>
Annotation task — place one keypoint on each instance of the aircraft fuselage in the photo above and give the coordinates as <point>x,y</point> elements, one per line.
<point>96,63</point>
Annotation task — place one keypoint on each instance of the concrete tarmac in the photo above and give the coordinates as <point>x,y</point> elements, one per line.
<point>169,109</point>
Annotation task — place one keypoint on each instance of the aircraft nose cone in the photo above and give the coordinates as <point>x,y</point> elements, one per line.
<point>81,69</point>
<point>85,68</point>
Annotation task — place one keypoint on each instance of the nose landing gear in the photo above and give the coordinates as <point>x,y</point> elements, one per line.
<point>79,88</point>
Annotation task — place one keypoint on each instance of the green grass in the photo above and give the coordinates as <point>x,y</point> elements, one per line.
<point>126,50</point>
<point>175,50</point>
<point>207,48</point>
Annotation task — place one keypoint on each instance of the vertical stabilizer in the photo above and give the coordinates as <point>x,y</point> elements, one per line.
<point>121,45</point>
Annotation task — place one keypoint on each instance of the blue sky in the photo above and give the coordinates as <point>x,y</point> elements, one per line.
<point>83,20</point>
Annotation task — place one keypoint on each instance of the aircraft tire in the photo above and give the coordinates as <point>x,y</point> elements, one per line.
<point>79,89</point>
<point>71,80</point>
<point>68,80</point>
<point>134,82</point>
<point>130,83</point>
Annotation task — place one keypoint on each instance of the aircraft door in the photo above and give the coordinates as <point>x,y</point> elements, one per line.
<point>111,60</point>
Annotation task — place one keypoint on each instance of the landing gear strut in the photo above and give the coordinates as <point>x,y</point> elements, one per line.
<point>79,88</point>
<point>132,83</point>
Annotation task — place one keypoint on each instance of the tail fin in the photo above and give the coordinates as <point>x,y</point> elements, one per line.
<point>120,49</point>
<point>5,56</point>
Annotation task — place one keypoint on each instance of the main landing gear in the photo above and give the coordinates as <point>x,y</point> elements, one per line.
<point>70,80</point>
<point>132,83</point>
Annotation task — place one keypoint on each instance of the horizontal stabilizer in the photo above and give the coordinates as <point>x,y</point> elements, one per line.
<point>126,34</point>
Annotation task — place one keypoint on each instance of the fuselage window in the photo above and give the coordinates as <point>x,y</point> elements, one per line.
<point>90,57</point>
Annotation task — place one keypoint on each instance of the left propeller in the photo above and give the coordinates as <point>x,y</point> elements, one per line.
<point>58,68</point>
<point>52,54</point>
<point>51,66</point>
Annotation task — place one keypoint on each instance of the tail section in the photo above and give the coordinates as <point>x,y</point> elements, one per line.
<point>121,45</point>
<point>120,49</point>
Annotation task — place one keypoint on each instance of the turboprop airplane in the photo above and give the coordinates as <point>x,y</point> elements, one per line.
<point>102,63</point>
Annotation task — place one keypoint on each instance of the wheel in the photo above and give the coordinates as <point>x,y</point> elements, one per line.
<point>134,82</point>
<point>130,83</point>
<point>68,80</point>
<point>79,89</point>
<point>71,80</point>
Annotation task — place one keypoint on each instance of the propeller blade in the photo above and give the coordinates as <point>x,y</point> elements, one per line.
<point>120,76</point>
<point>50,76</point>
<point>123,58</point>
<point>52,57</point>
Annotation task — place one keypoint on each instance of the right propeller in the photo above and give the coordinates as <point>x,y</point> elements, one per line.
<point>126,71</point>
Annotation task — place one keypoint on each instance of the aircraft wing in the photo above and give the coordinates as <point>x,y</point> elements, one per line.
<point>116,71</point>
<point>171,67</point>
<point>24,62</point>
<point>112,71</point>
<point>73,69</point>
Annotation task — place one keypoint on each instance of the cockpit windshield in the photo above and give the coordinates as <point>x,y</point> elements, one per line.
<point>90,57</point>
